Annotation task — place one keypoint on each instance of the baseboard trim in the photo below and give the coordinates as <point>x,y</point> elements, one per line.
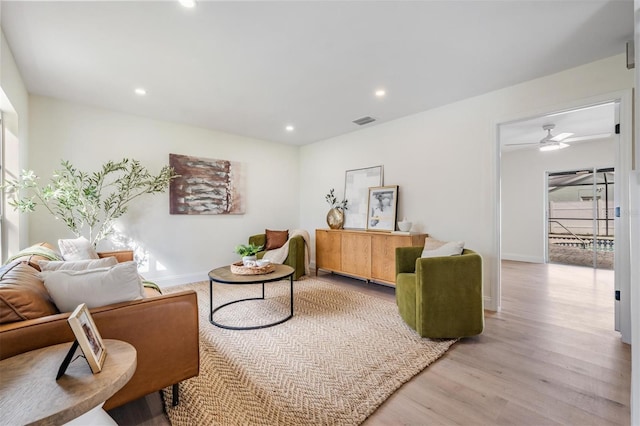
<point>488,304</point>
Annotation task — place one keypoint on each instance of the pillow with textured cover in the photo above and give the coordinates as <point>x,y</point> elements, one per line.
<point>22,294</point>
<point>275,239</point>
<point>453,248</point>
<point>76,265</point>
<point>77,249</point>
<point>95,287</point>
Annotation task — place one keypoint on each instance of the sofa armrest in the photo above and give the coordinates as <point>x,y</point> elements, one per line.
<point>120,255</point>
<point>295,258</point>
<point>406,259</point>
<point>163,329</point>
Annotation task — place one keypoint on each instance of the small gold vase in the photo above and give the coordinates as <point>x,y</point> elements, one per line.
<point>335,218</point>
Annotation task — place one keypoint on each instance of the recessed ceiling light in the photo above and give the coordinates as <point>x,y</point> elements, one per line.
<point>188,3</point>
<point>140,91</point>
<point>289,128</point>
<point>380,93</point>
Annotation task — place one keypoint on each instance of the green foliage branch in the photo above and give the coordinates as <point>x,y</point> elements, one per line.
<point>247,249</point>
<point>333,201</point>
<point>88,203</point>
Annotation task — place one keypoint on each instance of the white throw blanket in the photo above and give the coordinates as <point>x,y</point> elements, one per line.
<point>279,255</point>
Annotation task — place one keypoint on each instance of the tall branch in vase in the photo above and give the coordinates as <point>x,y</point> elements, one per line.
<point>88,203</point>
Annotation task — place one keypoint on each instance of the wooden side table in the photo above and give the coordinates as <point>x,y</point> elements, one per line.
<point>30,394</point>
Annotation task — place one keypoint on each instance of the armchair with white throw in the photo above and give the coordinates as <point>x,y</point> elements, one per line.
<point>284,247</point>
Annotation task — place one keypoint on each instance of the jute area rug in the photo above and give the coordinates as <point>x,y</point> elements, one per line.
<point>338,359</point>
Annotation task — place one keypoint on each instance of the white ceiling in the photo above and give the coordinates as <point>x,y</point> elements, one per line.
<point>250,68</point>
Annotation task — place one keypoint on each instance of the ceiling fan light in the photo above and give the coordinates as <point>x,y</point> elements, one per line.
<point>561,137</point>
<point>553,146</point>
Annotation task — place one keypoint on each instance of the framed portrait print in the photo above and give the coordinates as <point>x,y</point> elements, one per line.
<point>356,190</point>
<point>88,337</point>
<point>382,208</point>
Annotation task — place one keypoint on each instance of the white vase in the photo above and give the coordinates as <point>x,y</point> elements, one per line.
<point>404,225</point>
<point>249,260</point>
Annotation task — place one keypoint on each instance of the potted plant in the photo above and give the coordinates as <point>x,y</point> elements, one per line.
<point>335,217</point>
<point>88,203</point>
<point>248,252</point>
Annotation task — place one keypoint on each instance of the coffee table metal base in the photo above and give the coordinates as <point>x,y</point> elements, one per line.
<point>254,327</point>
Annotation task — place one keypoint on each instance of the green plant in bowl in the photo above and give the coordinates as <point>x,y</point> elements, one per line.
<point>247,249</point>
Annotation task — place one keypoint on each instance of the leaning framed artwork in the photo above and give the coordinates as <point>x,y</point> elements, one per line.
<point>382,208</point>
<point>356,190</point>
<point>88,337</point>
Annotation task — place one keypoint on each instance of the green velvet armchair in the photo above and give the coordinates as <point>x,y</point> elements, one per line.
<point>295,259</point>
<point>440,297</point>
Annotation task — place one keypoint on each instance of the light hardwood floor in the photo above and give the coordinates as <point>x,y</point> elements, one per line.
<point>549,357</point>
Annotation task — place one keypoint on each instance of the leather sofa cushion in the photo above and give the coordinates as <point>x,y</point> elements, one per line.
<point>275,239</point>
<point>22,294</point>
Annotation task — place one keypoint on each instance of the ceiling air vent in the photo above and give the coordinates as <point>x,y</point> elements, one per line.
<point>364,120</point>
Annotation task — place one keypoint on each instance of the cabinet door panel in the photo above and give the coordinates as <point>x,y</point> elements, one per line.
<point>383,255</point>
<point>328,250</point>
<point>356,254</point>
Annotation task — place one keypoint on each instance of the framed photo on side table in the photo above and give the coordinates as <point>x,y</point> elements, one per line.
<point>88,337</point>
<point>382,209</point>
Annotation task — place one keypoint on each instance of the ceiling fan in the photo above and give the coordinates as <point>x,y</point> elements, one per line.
<point>549,142</point>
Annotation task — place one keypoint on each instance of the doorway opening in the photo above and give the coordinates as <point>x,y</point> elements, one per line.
<point>580,217</point>
<point>595,132</point>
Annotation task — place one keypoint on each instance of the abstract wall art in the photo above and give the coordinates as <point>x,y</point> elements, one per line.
<point>206,186</point>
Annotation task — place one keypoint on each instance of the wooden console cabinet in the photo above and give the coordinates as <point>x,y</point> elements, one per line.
<point>362,254</point>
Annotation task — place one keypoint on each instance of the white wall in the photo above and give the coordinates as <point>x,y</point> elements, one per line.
<point>445,159</point>
<point>187,246</point>
<point>14,104</point>
<point>523,192</point>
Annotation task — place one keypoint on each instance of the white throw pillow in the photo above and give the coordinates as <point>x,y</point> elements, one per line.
<point>77,249</point>
<point>432,243</point>
<point>95,287</point>
<point>76,265</point>
<point>452,248</point>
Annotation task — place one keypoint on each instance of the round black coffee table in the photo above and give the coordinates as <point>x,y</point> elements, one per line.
<point>224,275</point>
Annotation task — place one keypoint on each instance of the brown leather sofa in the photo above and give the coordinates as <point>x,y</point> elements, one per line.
<point>162,328</point>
